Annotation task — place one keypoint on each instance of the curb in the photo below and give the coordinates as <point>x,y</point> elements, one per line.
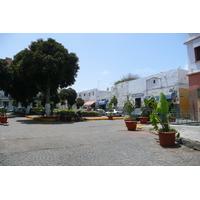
<point>52,120</point>
<point>190,143</point>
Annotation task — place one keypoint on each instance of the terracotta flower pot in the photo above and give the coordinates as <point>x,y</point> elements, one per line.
<point>167,139</point>
<point>110,117</point>
<point>131,125</point>
<point>143,120</point>
<point>3,119</point>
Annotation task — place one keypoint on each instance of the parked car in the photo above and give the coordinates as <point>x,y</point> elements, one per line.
<point>115,112</point>
<point>101,111</point>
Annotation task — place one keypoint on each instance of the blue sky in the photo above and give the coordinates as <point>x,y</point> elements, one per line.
<point>105,57</point>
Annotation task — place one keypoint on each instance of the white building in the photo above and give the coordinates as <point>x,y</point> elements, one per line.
<point>173,83</point>
<point>95,98</point>
<point>193,51</point>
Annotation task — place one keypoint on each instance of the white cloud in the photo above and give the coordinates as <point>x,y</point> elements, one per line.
<point>105,72</point>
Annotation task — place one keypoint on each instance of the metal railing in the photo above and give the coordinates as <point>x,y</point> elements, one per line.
<point>189,117</point>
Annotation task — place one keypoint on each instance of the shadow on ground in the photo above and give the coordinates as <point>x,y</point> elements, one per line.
<point>29,121</point>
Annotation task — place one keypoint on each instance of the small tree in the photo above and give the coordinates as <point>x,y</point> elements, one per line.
<point>79,102</point>
<point>70,95</point>
<point>129,105</point>
<point>113,101</point>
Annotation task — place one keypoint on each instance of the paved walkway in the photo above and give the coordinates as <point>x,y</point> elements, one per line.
<point>91,143</point>
<point>189,134</point>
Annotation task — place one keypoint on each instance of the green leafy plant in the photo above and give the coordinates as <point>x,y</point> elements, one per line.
<point>148,106</point>
<point>3,111</point>
<point>161,115</point>
<point>129,105</point>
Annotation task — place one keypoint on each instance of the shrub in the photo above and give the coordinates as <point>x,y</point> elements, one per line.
<point>65,112</point>
<point>89,113</point>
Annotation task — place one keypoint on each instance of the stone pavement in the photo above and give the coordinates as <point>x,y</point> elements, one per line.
<point>92,143</point>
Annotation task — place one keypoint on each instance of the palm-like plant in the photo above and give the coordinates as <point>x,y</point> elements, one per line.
<point>161,114</point>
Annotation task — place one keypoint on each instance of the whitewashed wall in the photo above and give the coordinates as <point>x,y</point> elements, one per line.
<point>165,82</point>
<point>94,94</point>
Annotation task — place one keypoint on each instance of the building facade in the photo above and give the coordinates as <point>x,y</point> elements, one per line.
<point>95,98</point>
<point>193,52</point>
<point>173,83</point>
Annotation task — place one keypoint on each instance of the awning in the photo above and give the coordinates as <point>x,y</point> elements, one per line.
<point>170,95</point>
<point>89,103</point>
<point>102,102</point>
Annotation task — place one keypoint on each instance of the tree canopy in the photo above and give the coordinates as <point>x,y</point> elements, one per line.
<point>113,101</point>
<point>79,102</point>
<point>5,74</point>
<point>48,65</point>
<point>70,95</point>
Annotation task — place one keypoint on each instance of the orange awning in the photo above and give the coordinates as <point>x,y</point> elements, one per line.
<point>89,103</point>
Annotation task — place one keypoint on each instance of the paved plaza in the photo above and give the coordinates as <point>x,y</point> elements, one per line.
<point>27,142</point>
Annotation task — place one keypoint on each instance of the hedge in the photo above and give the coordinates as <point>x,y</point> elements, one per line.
<point>71,112</point>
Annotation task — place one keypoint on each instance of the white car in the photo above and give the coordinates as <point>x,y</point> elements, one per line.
<point>101,111</point>
<point>115,112</point>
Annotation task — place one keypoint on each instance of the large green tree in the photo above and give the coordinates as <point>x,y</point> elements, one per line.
<point>5,74</point>
<point>48,65</point>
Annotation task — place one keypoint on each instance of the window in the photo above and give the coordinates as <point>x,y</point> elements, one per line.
<point>197,53</point>
<point>154,81</point>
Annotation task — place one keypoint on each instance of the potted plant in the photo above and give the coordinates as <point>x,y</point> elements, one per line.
<point>161,115</point>
<point>129,107</point>
<point>110,116</point>
<point>146,109</point>
<point>3,117</point>
<point>110,113</point>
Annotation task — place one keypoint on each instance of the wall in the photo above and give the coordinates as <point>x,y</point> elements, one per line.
<point>193,66</point>
<point>94,94</point>
<point>88,95</point>
<point>184,99</point>
<point>194,82</point>
<point>166,82</point>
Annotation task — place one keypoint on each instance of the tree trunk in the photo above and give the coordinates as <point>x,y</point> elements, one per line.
<point>47,105</point>
<point>28,109</point>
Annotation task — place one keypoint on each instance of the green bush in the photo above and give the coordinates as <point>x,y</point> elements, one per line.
<point>65,112</point>
<point>36,110</point>
<point>89,113</point>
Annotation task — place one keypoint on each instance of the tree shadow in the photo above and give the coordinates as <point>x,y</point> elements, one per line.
<point>33,122</point>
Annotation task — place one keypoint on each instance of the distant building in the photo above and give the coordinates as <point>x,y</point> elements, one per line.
<point>173,83</point>
<point>95,98</point>
<point>193,51</point>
